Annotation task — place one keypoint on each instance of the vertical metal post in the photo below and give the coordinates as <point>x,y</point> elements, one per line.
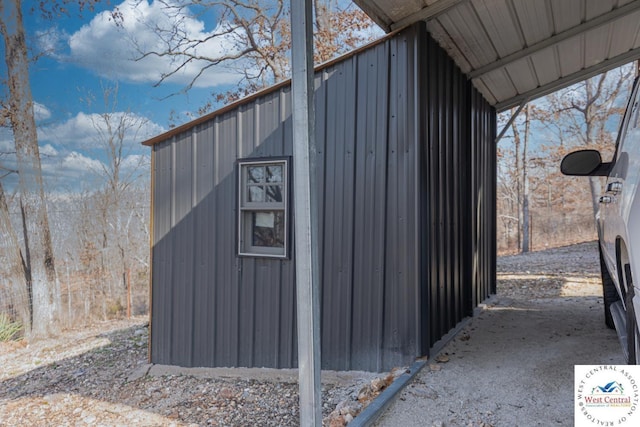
<point>305,213</point>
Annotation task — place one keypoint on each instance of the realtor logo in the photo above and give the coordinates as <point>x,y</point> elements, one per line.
<point>607,395</point>
<point>612,387</point>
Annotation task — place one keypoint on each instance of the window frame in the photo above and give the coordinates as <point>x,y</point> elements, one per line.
<point>244,226</point>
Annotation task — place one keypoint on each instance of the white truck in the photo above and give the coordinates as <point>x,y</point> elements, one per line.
<point>618,223</point>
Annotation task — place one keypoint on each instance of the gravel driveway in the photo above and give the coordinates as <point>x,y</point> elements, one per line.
<point>512,365</point>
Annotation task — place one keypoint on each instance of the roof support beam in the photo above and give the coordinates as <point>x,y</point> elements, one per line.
<point>305,213</point>
<point>582,28</point>
<point>426,13</point>
<point>571,79</point>
<point>511,120</point>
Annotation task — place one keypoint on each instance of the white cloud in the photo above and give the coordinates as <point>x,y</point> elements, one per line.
<point>70,171</point>
<point>135,161</point>
<point>72,155</point>
<point>79,163</point>
<point>76,132</point>
<point>6,141</point>
<point>109,50</point>
<point>86,131</point>
<point>48,150</point>
<point>41,112</point>
<point>51,40</point>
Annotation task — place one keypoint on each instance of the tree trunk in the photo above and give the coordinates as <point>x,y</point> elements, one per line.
<point>38,247</point>
<point>526,215</point>
<point>526,244</point>
<point>13,270</point>
<point>516,148</point>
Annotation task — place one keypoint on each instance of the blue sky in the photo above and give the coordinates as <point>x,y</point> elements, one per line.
<point>83,54</point>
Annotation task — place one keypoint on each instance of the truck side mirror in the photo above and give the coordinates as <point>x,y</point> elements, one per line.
<point>584,163</point>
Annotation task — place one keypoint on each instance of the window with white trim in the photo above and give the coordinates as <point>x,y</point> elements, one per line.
<point>263,205</point>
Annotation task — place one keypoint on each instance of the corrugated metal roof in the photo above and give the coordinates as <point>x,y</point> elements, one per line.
<point>516,50</point>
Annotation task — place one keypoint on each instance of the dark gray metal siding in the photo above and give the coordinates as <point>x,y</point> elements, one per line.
<point>483,175</point>
<point>366,114</point>
<point>458,195</point>
<point>396,158</point>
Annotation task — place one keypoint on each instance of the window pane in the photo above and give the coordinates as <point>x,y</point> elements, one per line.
<point>255,174</point>
<point>274,173</point>
<point>267,229</point>
<point>262,215</point>
<point>274,193</point>
<point>256,193</point>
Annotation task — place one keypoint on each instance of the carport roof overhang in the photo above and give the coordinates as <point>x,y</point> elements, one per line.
<point>518,50</point>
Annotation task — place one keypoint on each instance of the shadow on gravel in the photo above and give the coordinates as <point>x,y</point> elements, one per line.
<point>105,382</point>
<point>94,387</point>
<point>99,369</point>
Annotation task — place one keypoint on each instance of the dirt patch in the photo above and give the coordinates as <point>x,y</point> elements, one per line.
<point>513,364</point>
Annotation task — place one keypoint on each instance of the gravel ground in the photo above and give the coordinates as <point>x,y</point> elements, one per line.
<point>100,375</point>
<point>513,364</point>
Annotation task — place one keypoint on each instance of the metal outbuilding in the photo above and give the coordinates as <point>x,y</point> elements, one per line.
<point>406,131</point>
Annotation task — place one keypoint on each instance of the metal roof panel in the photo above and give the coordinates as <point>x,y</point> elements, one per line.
<point>522,74</point>
<point>596,44</point>
<point>533,19</point>
<point>546,74</point>
<point>438,32</point>
<point>492,40</point>
<point>464,27</point>
<point>566,14</point>
<point>621,41</point>
<point>571,55</point>
<point>499,84</point>
<point>498,21</point>
<point>595,8</point>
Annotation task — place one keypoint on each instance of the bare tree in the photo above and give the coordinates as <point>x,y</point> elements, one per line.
<point>582,116</point>
<point>586,110</point>
<point>258,39</point>
<point>38,257</point>
<point>17,111</point>
<point>115,208</point>
<point>518,183</point>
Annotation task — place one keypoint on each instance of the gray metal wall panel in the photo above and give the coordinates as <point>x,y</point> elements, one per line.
<point>162,254</point>
<point>483,133</point>
<point>401,326</point>
<point>288,350</point>
<point>369,231</point>
<point>182,241</point>
<point>227,327</point>
<point>339,207</point>
<point>248,134</point>
<point>393,260</point>
<point>452,143</point>
<point>204,262</point>
<point>264,283</point>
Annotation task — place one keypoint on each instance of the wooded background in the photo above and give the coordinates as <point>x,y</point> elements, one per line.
<point>69,258</point>
<point>538,207</point>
